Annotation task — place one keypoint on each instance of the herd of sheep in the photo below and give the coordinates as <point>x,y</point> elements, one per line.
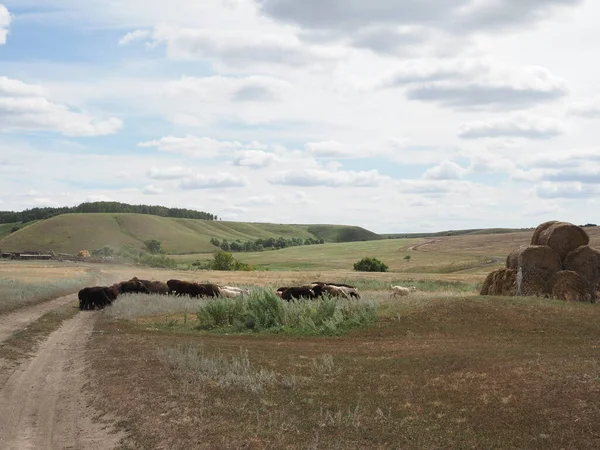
<point>98,297</point>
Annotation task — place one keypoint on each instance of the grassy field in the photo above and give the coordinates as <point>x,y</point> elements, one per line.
<point>23,284</point>
<point>441,368</point>
<point>343,256</point>
<point>70,233</point>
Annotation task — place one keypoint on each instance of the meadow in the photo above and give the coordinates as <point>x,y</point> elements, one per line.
<point>441,368</point>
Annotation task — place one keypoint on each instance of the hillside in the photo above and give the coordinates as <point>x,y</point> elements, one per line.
<point>70,233</point>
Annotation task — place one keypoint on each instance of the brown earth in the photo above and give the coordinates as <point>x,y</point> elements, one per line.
<point>44,403</point>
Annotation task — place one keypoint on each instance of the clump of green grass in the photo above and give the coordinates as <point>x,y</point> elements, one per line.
<point>16,294</point>
<point>194,365</point>
<point>263,310</point>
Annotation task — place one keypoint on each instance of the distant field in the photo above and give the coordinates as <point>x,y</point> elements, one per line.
<point>343,256</point>
<point>70,233</point>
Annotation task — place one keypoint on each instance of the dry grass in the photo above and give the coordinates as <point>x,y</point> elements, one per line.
<point>449,372</point>
<point>15,293</point>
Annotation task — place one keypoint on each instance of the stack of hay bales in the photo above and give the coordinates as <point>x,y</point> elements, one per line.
<point>558,263</point>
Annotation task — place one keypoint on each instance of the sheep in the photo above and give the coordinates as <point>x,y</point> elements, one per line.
<point>235,289</point>
<point>401,291</point>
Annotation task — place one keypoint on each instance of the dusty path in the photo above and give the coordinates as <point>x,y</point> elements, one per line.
<point>19,319</point>
<point>43,405</point>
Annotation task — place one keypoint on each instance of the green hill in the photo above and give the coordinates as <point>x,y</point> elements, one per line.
<point>70,233</point>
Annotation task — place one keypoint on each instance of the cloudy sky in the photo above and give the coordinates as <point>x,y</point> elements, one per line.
<point>395,115</point>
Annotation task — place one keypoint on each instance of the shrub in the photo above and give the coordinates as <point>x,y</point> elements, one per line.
<point>225,261</point>
<point>153,246</point>
<point>263,310</point>
<point>370,265</point>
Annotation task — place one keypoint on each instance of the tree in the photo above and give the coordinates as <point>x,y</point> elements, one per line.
<point>225,245</point>
<point>153,246</point>
<point>370,265</point>
<point>407,258</point>
<point>215,242</point>
<point>223,261</point>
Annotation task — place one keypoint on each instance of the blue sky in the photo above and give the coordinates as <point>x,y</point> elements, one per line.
<point>384,114</point>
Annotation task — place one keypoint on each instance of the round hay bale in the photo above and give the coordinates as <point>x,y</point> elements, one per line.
<point>586,262</point>
<point>540,260</point>
<point>569,286</point>
<point>563,238</point>
<point>535,284</point>
<point>500,282</point>
<point>540,229</point>
<point>512,260</point>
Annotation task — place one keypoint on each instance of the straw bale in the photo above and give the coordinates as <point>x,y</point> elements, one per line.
<point>536,283</point>
<point>563,237</point>
<point>540,229</point>
<point>500,282</point>
<point>538,260</point>
<point>585,261</point>
<point>512,260</point>
<point>569,286</point>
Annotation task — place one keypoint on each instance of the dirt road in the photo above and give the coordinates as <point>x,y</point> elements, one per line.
<point>44,404</point>
<point>19,319</point>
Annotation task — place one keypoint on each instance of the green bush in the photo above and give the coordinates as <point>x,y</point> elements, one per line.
<point>370,265</point>
<point>264,310</point>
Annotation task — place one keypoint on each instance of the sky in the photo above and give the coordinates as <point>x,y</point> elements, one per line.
<point>394,115</point>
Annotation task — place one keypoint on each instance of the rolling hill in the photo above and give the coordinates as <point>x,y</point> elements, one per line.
<point>70,233</point>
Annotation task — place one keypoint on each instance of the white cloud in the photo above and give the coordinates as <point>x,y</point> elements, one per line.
<point>574,190</point>
<point>241,47</point>
<point>259,200</point>
<point>196,147</point>
<point>446,170</point>
<point>152,190</point>
<point>475,83</point>
<point>167,173</point>
<point>523,126</point>
<point>23,107</point>
<point>5,19</point>
<point>213,181</point>
<point>589,109</point>
<point>254,159</point>
<point>137,35</point>
<point>330,149</point>
<point>330,178</point>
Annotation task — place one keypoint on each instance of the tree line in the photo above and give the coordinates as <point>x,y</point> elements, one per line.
<point>29,215</point>
<point>263,244</point>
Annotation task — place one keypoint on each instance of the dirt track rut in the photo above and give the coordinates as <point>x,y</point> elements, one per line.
<point>43,405</point>
<point>19,319</point>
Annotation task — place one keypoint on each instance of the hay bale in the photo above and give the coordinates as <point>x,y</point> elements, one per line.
<point>586,262</point>
<point>569,286</point>
<point>500,282</point>
<point>540,229</point>
<point>535,284</point>
<point>563,238</point>
<point>540,260</point>
<point>512,260</point>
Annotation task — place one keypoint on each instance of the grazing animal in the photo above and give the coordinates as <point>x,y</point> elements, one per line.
<point>99,297</point>
<point>350,291</point>
<point>401,291</point>
<point>179,287</point>
<point>133,287</point>
<point>235,289</point>
<point>154,287</point>
<point>297,293</point>
<point>228,293</point>
<point>334,291</point>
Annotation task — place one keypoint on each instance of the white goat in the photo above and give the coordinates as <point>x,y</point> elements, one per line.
<point>401,291</point>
